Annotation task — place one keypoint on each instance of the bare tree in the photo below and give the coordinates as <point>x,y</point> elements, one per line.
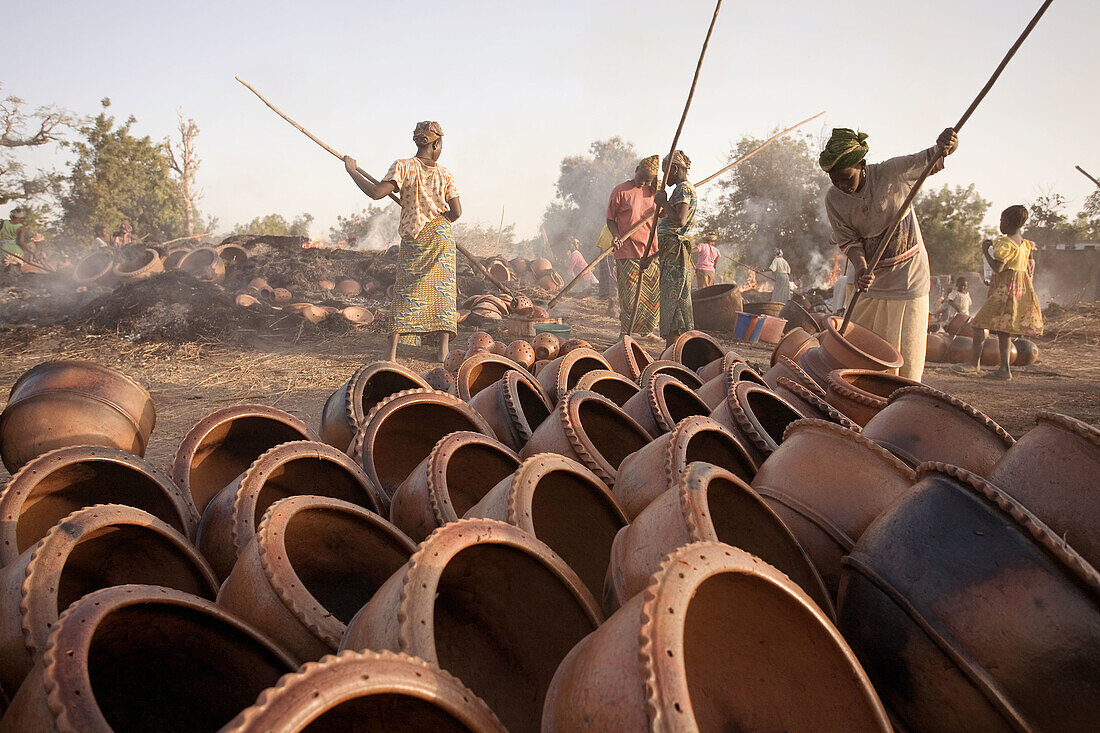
<point>184,161</point>
<point>20,128</point>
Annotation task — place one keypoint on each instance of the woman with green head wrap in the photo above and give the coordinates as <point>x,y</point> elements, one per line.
<point>862,203</point>
<point>674,248</point>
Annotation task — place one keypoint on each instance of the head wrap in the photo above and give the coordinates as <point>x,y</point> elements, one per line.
<point>844,150</point>
<point>778,252</point>
<point>427,132</point>
<point>16,213</point>
<point>650,164</point>
<point>678,158</point>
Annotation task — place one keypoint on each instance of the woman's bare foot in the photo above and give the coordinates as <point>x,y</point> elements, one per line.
<point>969,370</point>
<point>1002,374</point>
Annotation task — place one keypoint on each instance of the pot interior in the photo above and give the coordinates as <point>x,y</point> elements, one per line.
<point>381,385</point>
<point>579,368</point>
<point>681,402</point>
<point>473,469</point>
<point>311,475</point>
<point>378,713</point>
<point>773,415</point>
<point>713,446</point>
<point>880,385</point>
<point>485,373</point>
<point>610,431</point>
<point>531,404</point>
<point>699,352</point>
<point>407,436</point>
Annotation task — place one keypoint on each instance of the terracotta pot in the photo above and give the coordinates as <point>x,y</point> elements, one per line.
<point>538,365</point>
<point>326,285</point>
<point>244,300</point>
<point>546,347</point>
<point>573,344</point>
<point>501,272</point>
<point>765,308</point>
<point>828,484</point>
<point>797,317</point>
<point>707,504</point>
<point>693,349</point>
<point>290,469</point>
<point>541,265</point>
<point>859,347</point>
<point>141,267</point>
<point>809,405</point>
<point>357,316</point>
<point>654,469</point>
<point>818,363</point>
<point>499,348</point>
<point>991,615</point>
<point>672,369</point>
<point>565,505</point>
<point>440,379</point>
<point>347,407</point>
<point>520,302</point>
<point>793,343</point>
<point>490,604</point>
<point>719,366</point>
<point>60,482</point>
<point>961,349</point>
<point>786,367</point>
<point>312,564</point>
<point>401,431</point>
<point>715,307</point>
<point>959,325</point>
<point>627,357</point>
<point>92,548</point>
<point>719,641</point>
<point>591,429</point>
<point>922,424</point>
<point>521,352</point>
<point>143,657</point>
<point>520,265</point>
<point>482,371</point>
<point>56,404</point>
<point>861,393</point>
<point>455,476</point>
<point>1052,471</point>
<point>936,347</point>
<point>611,385</point>
<point>232,254</point>
<point>454,360</point>
<point>756,415</point>
<point>219,447</point>
<point>372,692</point>
<point>172,261</point>
<point>715,390</point>
<point>479,338</point>
<point>563,373</point>
<point>1026,351</point>
<point>515,405</point>
<point>98,268</point>
<point>349,288</point>
<point>204,263</point>
<point>662,402</point>
<point>312,313</point>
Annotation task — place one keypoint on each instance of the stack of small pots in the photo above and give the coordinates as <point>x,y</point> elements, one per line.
<point>607,541</point>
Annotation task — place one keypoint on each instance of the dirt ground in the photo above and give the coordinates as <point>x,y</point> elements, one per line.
<point>297,371</point>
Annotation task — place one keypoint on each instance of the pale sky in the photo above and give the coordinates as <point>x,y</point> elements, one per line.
<point>518,85</point>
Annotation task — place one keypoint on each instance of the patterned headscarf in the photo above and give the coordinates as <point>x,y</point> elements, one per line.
<point>678,158</point>
<point>427,132</point>
<point>651,164</point>
<point>844,150</point>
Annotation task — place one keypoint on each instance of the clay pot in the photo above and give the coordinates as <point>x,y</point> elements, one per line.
<point>657,467</point>
<point>714,391</point>
<point>707,504</point>
<point>440,379</point>
<point>232,254</point>
<point>357,316</point>
<point>312,313</point>
<point>60,482</point>
<point>861,394</point>
<point>326,285</point>
<point>479,338</point>
<point>260,284</point>
<point>144,265</point>
<point>991,614</point>
<point>809,405</point>
<point>793,344</point>
<point>788,368</point>
<point>172,260</point>
<point>756,415</point>
<point>499,348</point>
<point>859,347</point>
<point>961,349</point>
<point>1026,352</point>
<point>693,349</point>
<point>223,444</point>
<point>611,385</point>
<point>959,325</point>
<point>401,431</point>
<point>98,268</point>
<point>515,405</point>
<point>546,346</point>
<point>481,371</point>
<point>1052,471</point>
<point>672,369</point>
<point>347,407</point>
<point>370,692</point>
<point>56,404</point>
<point>565,505</point>
<point>563,373</point>
<point>473,351</point>
<point>348,288</point>
<point>828,484</point>
<point>454,360</point>
<point>204,264</point>
<point>501,272</point>
<point>818,363</point>
<point>922,424</point>
<point>521,352</point>
<point>541,265</point>
<point>520,302</point>
<point>591,429</point>
<point>143,657</point>
<point>718,366</point>
<point>490,604</point>
<point>719,641</point>
<point>627,357</point>
<point>92,548</point>
<point>662,402</point>
<point>519,265</point>
<point>455,476</point>
<point>573,344</point>
<point>936,347</point>
<point>244,300</point>
<point>765,308</point>
<point>312,564</point>
<point>289,469</point>
<point>716,307</point>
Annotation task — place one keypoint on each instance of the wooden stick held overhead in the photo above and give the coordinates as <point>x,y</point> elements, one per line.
<point>465,252</point>
<point>936,156</point>
<point>758,148</point>
<point>1086,175</point>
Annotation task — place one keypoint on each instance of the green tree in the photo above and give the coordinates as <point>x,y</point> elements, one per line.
<point>117,176</point>
<point>486,241</point>
<point>1047,222</point>
<point>1087,223</point>
<point>951,223</point>
<point>276,226</point>
<point>20,130</point>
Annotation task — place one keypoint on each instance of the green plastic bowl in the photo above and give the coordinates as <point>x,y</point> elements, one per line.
<point>561,330</point>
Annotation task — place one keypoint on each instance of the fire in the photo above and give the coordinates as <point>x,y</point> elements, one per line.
<point>750,282</point>
<point>312,243</point>
<point>837,264</point>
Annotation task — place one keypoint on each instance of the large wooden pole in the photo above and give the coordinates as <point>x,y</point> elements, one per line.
<point>1086,175</point>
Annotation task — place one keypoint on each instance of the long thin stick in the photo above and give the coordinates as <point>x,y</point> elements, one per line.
<point>750,267</point>
<point>935,158</point>
<point>645,217</point>
<point>664,178</point>
<point>465,252</point>
<point>25,261</point>
<point>189,236</point>
<point>1086,175</point>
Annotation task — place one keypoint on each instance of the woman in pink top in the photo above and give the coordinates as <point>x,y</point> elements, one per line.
<point>706,255</point>
<point>577,263</point>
